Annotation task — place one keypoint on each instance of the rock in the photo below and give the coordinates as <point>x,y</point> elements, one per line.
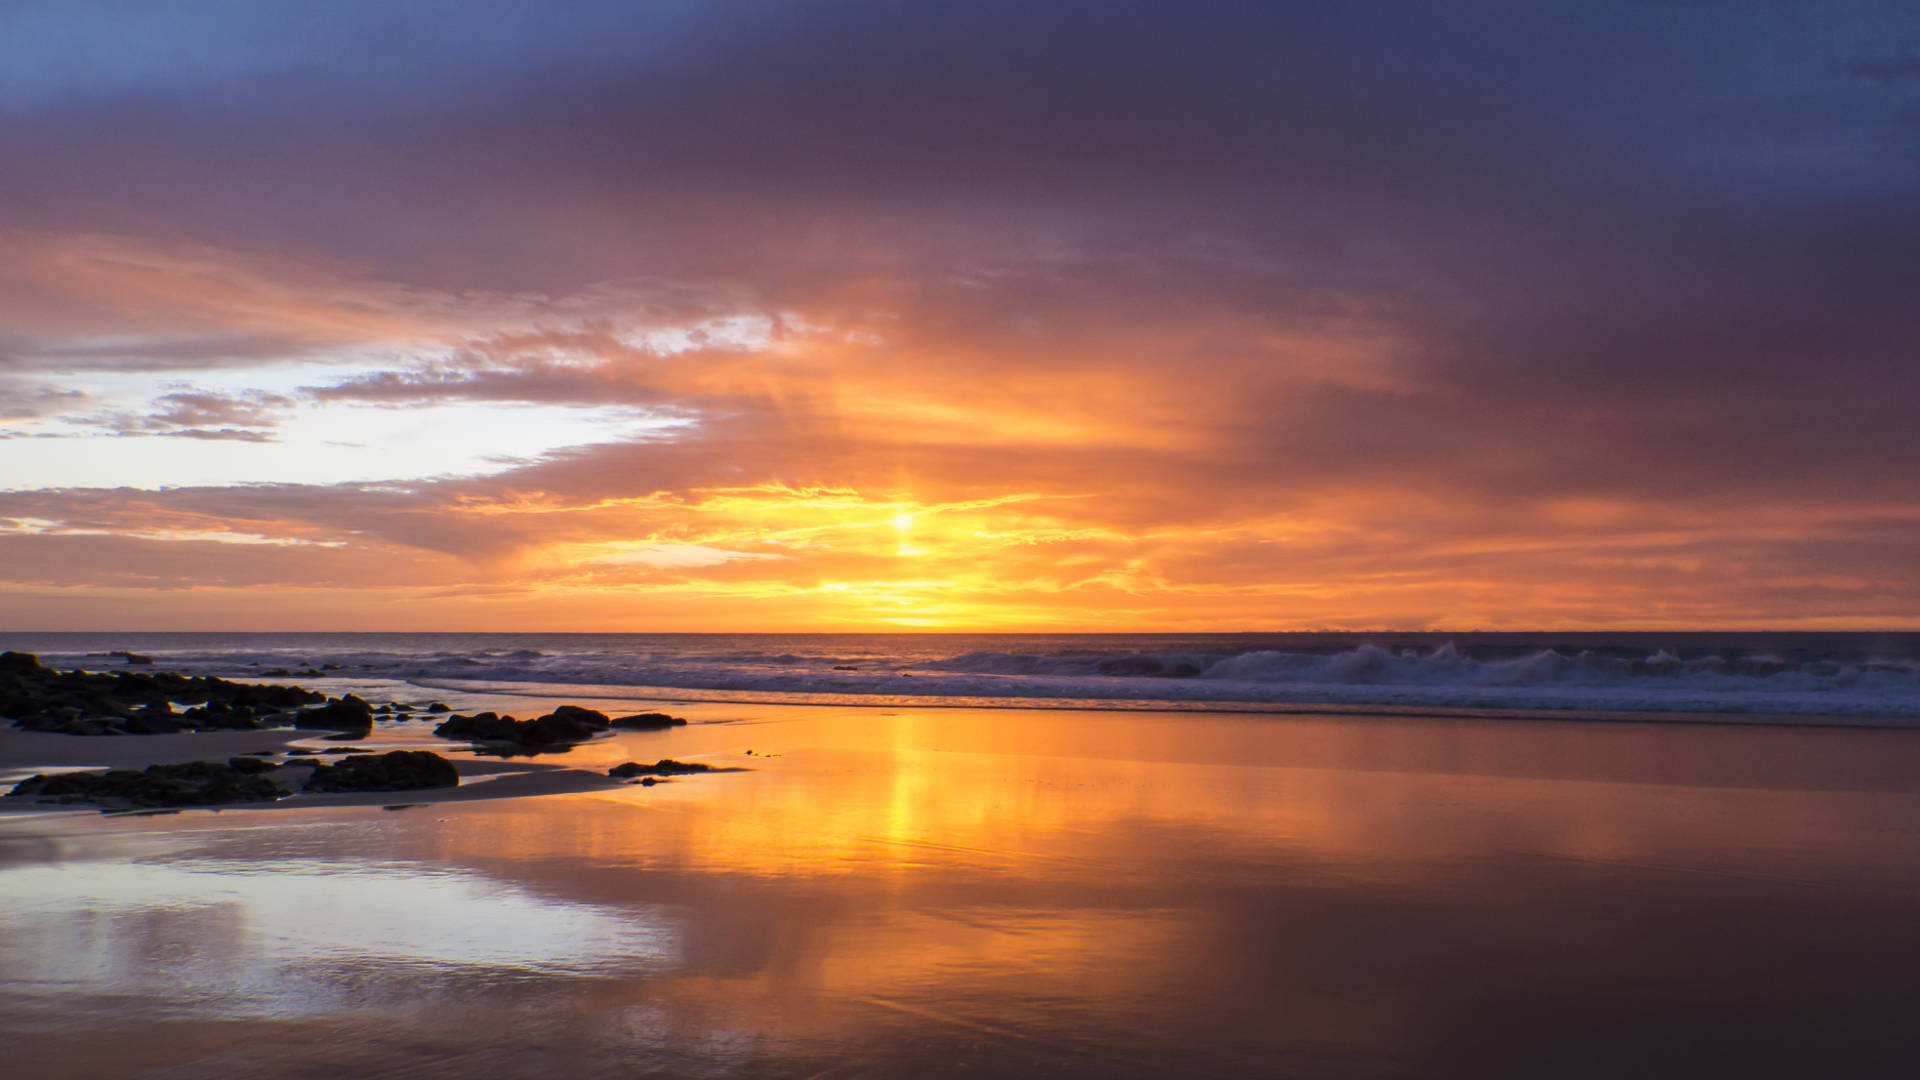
<point>250,765</point>
<point>221,715</point>
<point>152,723</point>
<point>135,702</point>
<point>663,767</point>
<point>649,721</point>
<point>348,714</point>
<point>576,714</point>
<point>564,726</point>
<point>397,770</point>
<point>193,783</point>
<point>439,706</point>
<point>845,667</point>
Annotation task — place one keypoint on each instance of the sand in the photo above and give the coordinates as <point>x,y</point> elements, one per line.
<point>940,892</point>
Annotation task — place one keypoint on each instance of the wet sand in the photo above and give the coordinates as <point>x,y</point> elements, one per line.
<point>934,892</point>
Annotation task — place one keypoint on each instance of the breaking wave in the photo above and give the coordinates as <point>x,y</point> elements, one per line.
<point>1808,675</point>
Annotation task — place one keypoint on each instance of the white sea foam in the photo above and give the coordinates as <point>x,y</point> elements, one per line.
<point>1748,676</point>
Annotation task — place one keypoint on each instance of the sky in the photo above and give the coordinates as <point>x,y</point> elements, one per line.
<point>731,316</point>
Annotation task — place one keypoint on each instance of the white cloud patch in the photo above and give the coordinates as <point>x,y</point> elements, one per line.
<point>677,556</point>
<point>45,527</point>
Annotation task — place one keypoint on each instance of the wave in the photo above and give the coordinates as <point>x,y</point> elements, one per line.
<point>1759,675</point>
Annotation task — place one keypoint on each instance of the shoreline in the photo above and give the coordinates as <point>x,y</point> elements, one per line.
<point>83,723</point>
<point>1813,679</point>
<point>482,775</point>
<point>674,695</point>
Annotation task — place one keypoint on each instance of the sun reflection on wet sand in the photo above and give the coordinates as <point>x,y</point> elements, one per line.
<point>941,891</point>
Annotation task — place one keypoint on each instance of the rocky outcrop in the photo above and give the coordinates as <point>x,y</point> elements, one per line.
<point>193,783</point>
<point>349,715</point>
<point>648,721</point>
<point>122,702</point>
<point>237,780</point>
<point>663,767</point>
<point>398,770</point>
<point>564,726</point>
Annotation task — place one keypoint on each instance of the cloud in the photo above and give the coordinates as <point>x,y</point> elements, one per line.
<point>1265,314</point>
<point>24,400</point>
<point>197,410</point>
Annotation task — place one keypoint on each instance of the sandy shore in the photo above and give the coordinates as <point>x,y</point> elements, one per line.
<point>947,892</point>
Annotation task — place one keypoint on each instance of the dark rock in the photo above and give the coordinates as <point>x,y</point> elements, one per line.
<point>562,727</point>
<point>649,721</point>
<point>135,702</point>
<point>19,661</point>
<point>348,714</point>
<point>223,716</point>
<point>276,673</point>
<point>845,667</point>
<point>663,767</point>
<point>398,770</point>
<point>301,751</point>
<point>250,765</point>
<point>439,706</point>
<point>347,750</point>
<point>152,723</point>
<point>576,714</point>
<point>193,783</point>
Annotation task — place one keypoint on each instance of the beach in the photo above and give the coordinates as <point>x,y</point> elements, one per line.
<point>1073,541</point>
<point>927,891</point>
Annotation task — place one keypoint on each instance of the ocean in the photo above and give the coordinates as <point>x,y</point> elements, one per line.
<point>1858,676</point>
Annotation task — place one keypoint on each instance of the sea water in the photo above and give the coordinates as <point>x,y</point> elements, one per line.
<point>1833,675</point>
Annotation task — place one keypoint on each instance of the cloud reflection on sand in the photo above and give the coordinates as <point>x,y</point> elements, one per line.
<point>298,937</point>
